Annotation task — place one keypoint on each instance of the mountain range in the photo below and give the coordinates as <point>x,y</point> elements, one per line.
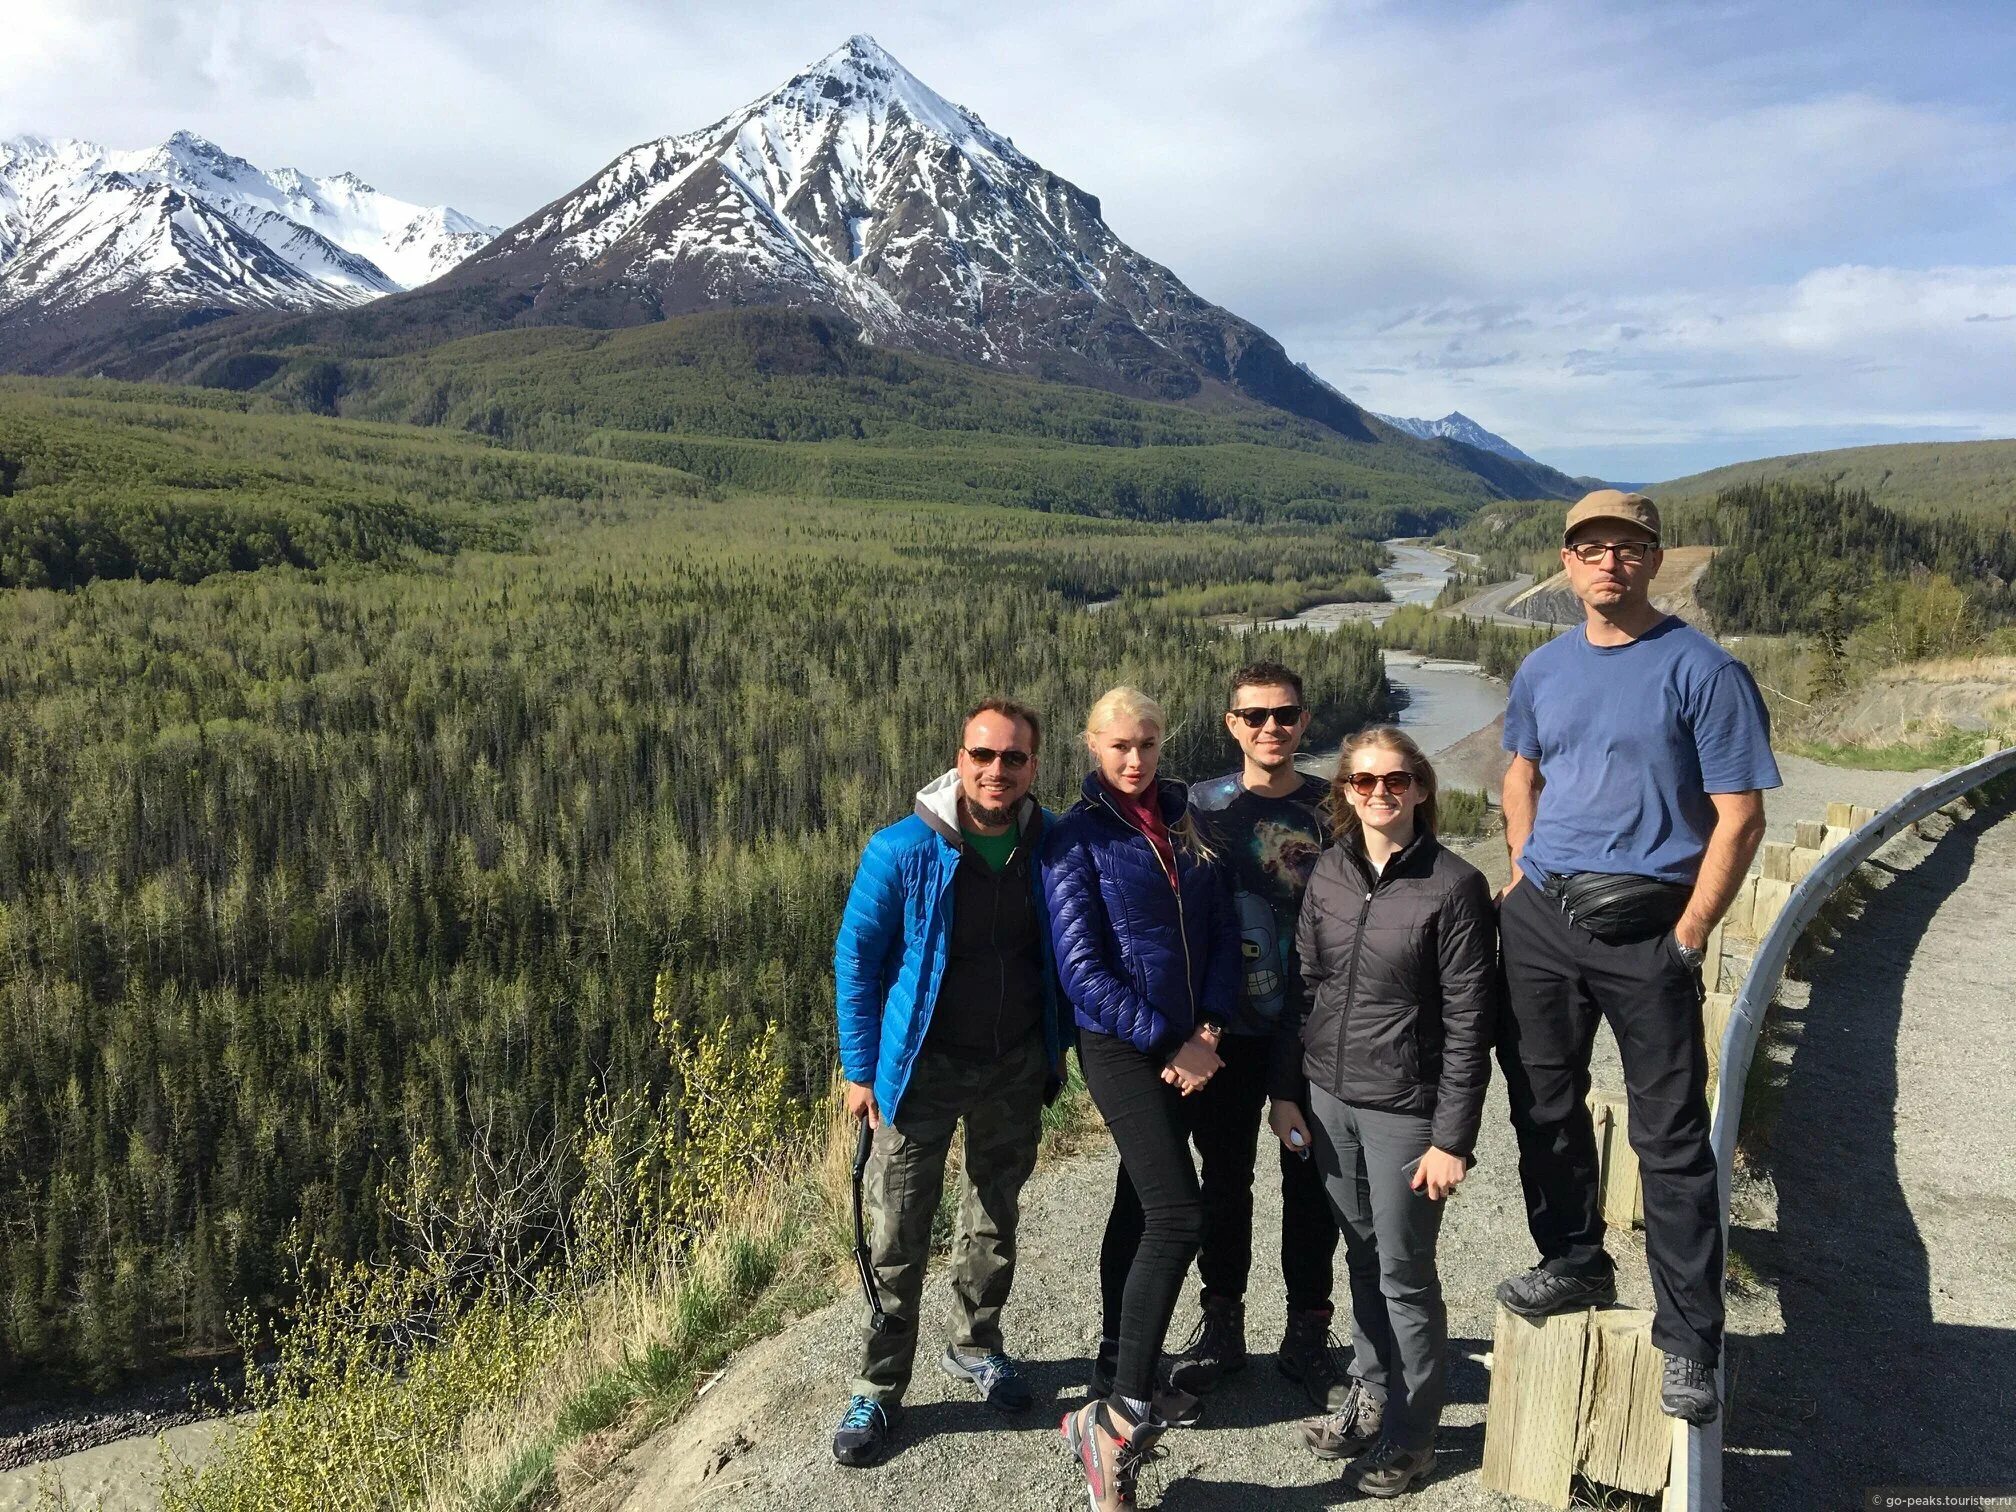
<point>91,236</point>
<point>852,191</point>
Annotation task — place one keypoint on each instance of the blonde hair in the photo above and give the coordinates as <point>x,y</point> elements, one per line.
<point>1123,702</point>
<point>1344,821</point>
<point>1119,703</point>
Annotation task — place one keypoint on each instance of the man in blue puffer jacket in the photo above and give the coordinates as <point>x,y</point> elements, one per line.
<point>949,1011</point>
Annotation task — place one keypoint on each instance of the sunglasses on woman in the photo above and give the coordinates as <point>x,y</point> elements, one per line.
<point>1364,783</point>
<point>1285,715</point>
<point>1013,760</point>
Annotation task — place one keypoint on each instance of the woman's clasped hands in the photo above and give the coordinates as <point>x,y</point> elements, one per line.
<point>1195,1063</point>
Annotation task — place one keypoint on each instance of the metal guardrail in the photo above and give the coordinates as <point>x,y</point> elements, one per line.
<point>1698,1471</point>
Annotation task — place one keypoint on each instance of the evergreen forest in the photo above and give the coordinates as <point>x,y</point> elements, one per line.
<point>361,786</point>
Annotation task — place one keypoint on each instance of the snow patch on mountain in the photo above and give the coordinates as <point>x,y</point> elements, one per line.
<point>1457,426</point>
<point>187,223</point>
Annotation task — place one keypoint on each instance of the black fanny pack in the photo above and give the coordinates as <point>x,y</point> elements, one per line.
<point>1618,907</point>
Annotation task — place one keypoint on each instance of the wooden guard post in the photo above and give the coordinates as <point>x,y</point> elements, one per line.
<point>1575,1394</point>
<point>1623,1200</point>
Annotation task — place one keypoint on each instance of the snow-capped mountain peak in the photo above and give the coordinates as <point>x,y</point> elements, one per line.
<point>75,218</point>
<point>855,187</point>
<point>1457,426</point>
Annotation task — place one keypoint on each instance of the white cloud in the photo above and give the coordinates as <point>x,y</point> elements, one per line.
<point>1602,220</point>
<point>1717,372</point>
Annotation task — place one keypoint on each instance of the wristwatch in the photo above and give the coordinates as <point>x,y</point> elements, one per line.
<point>1691,957</point>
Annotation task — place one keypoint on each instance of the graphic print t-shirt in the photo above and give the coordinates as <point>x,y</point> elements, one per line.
<point>1268,847</point>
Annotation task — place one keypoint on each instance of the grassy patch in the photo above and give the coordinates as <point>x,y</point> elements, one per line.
<point>1949,749</point>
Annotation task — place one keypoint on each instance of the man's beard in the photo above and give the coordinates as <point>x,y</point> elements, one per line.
<point>1278,763</point>
<point>990,817</point>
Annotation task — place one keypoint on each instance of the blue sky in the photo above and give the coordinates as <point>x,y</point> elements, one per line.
<point>1636,239</point>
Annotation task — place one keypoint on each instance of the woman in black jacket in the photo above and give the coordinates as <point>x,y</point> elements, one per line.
<point>1397,941</point>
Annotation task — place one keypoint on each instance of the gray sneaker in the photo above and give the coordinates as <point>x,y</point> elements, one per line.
<point>993,1375</point>
<point>1350,1430</point>
<point>1388,1470</point>
<point>1687,1391</point>
<point>1540,1293</point>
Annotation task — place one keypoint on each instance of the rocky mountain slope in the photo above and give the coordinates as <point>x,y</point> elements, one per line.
<point>94,240</point>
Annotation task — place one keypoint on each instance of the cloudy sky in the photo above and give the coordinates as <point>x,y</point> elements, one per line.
<point>1636,239</point>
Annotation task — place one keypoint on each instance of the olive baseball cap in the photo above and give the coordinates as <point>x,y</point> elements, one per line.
<point>1613,504</point>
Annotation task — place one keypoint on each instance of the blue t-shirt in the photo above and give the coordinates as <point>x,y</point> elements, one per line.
<point>1630,741</point>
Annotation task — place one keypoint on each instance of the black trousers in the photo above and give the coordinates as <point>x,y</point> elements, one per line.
<point>1144,1115</point>
<point>1558,978</point>
<point>1224,1125</point>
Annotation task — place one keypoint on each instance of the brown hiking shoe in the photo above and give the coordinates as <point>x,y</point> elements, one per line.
<point>1352,1429</point>
<point>1308,1355</point>
<point>1110,1452</point>
<point>1388,1470</point>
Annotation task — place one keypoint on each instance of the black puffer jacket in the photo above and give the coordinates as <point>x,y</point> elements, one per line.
<point>1401,978</point>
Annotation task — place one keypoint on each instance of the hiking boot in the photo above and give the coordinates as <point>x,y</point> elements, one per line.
<point>1215,1348</point>
<point>1352,1429</point>
<point>993,1375</point>
<point>1308,1355</point>
<point>1540,1293</point>
<point>1110,1452</point>
<point>863,1435</point>
<point>1177,1408</point>
<point>1687,1391</point>
<point>1388,1470</point>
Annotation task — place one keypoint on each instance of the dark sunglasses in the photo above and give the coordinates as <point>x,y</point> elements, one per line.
<point>1014,761</point>
<point>1284,716</point>
<point>1362,783</point>
<point>1631,552</point>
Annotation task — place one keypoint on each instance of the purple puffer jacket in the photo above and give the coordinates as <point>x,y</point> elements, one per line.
<point>1138,959</point>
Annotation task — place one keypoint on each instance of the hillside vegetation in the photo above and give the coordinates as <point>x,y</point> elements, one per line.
<point>102,480</point>
<point>1928,478</point>
<point>818,411</point>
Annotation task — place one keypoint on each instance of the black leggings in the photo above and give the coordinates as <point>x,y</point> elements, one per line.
<point>1224,1123</point>
<point>1145,1114</point>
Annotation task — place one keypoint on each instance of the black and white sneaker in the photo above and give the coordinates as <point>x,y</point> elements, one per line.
<point>863,1435</point>
<point>993,1375</point>
<point>1540,1293</point>
<point>1687,1391</point>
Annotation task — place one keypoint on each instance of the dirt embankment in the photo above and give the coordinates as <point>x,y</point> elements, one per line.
<point>1923,700</point>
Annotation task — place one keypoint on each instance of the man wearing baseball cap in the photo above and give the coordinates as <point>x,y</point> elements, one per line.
<point>1634,802</point>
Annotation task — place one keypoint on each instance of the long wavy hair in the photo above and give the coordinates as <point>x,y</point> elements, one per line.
<point>1124,702</point>
<point>1344,821</point>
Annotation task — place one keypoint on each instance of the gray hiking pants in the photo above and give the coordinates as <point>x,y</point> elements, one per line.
<point>1002,1106</point>
<point>1399,1327</point>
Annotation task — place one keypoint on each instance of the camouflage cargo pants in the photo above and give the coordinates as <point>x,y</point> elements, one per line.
<point>1002,1106</point>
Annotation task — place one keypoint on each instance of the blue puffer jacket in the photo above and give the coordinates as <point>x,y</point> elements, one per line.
<point>896,935</point>
<point>1138,959</point>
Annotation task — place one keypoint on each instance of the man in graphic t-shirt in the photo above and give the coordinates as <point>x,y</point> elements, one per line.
<point>1634,802</point>
<point>1264,825</point>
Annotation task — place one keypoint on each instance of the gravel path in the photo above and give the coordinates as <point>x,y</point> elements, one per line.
<point>1885,1221</point>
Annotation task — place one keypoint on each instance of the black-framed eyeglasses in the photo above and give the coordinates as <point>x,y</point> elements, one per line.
<point>1629,552</point>
<point>1284,715</point>
<point>1013,760</point>
<point>1363,783</point>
